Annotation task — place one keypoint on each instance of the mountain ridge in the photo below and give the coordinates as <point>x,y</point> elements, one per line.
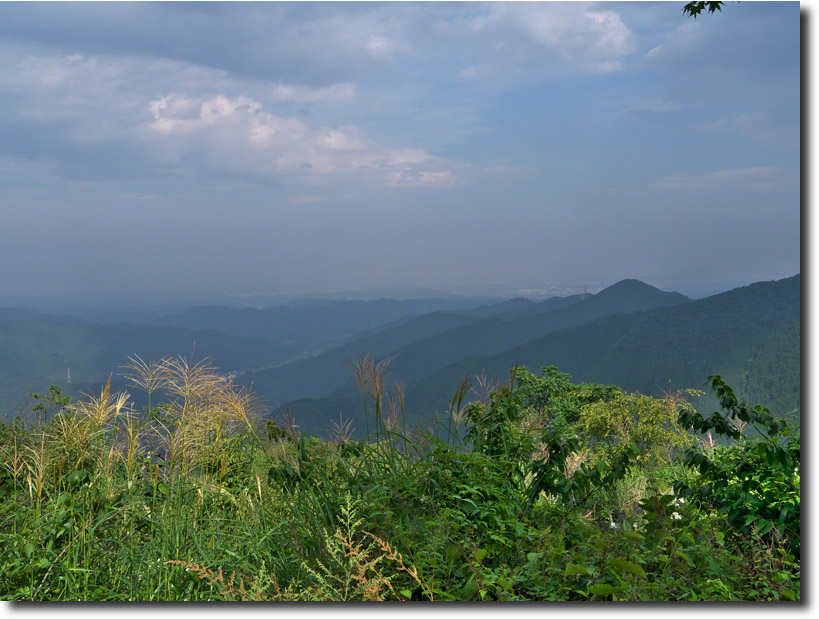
<point>423,355</point>
<point>750,335</point>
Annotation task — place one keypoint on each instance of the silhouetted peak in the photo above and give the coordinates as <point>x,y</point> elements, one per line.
<point>634,295</point>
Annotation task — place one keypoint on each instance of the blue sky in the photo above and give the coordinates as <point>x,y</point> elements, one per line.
<point>164,151</point>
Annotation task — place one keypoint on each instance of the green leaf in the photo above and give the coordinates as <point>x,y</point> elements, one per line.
<point>573,569</point>
<point>764,526</point>
<point>28,549</point>
<point>452,552</point>
<point>602,589</point>
<point>684,557</point>
<point>628,566</point>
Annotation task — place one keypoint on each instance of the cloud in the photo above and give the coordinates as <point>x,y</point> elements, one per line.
<point>270,41</point>
<point>409,177</point>
<point>238,134</point>
<point>547,35</point>
<point>765,178</point>
<point>102,117</point>
<point>380,46</point>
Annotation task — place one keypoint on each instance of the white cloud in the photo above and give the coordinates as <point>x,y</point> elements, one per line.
<point>380,46</point>
<point>237,134</point>
<point>545,34</point>
<point>409,177</point>
<point>343,139</point>
<point>150,111</point>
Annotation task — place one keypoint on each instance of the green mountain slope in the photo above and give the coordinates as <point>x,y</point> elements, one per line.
<point>423,345</point>
<point>328,371</point>
<point>496,334</point>
<point>750,336</point>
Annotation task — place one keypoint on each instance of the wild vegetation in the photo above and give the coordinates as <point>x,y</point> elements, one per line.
<point>535,489</point>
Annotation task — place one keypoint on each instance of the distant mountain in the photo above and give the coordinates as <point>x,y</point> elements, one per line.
<point>14,314</point>
<point>496,334</point>
<point>423,353</point>
<point>504,308</point>
<point>542,307</point>
<point>750,336</point>
<point>38,352</point>
<point>316,326</point>
<point>328,371</point>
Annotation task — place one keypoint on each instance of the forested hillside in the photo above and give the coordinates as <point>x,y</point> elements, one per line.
<point>749,335</point>
<point>419,347</point>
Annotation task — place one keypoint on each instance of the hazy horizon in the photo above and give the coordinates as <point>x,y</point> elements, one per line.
<point>120,307</point>
<point>161,153</point>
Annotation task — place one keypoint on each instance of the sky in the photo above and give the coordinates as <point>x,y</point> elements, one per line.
<point>166,151</point>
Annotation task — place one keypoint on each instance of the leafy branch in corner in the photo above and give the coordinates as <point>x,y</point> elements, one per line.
<point>692,9</point>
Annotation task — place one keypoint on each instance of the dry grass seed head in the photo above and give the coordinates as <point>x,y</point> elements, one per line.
<point>37,462</point>
<point>242,406</point>
<point>370,375</point>
<point>191,382</point>
<point>148,375</point>
<point>76,435</point>
<point>101,412</point>
<point>288,422</point>
<point>13,462</point>
<point>484,388</point>
<point>342,431</point>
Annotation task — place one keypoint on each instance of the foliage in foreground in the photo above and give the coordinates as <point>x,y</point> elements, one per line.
<point>539,490</point>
